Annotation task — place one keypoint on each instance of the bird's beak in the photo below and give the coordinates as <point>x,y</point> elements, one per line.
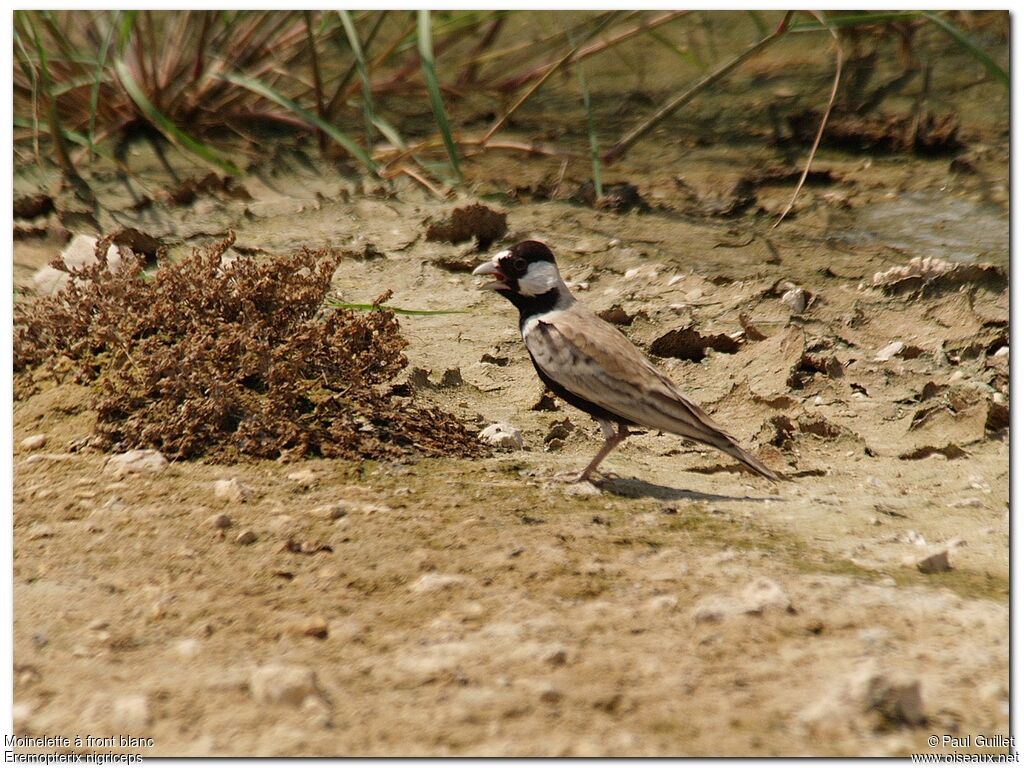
<point>491,268</point>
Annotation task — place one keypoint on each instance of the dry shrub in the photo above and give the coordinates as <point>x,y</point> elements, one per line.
<point>217,358</point>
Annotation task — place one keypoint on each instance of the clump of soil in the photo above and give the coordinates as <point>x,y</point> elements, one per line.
<point>32,206</point>
<point>473,221</point>
<point>217,358</point>
<point>691,344</point>
<point>617,197</point>
<point>189,190</point>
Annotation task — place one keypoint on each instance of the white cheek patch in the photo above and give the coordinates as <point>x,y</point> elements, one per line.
<point>540,278</point>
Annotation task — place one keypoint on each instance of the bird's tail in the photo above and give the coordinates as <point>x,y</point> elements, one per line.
<point>745,458</point>
<point>695,424</point>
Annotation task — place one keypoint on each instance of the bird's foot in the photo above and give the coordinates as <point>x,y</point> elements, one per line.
<point>594,478</point>
<point>571,477</point>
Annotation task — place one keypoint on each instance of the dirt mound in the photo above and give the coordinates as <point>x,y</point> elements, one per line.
<point>473,221</point>
<point>217,357</point>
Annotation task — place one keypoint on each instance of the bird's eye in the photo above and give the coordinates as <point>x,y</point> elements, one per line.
<point>519,265</point>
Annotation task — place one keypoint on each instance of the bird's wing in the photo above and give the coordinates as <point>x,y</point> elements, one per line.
<point>595,361</point>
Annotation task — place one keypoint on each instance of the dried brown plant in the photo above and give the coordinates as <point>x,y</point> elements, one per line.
<point>220,358</point>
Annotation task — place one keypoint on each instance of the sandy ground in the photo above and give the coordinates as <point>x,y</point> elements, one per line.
<point>446,607</point>
<point>478,608</point>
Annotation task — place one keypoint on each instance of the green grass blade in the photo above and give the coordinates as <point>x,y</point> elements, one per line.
<point>125,30</point>
<point>970,46</point>
<point>164,124</point>
<point>397,310</point>
<point>73,136</point>
<point>364,72</point>
<point>308,117</point>
<point>854,20</point>
<point>389,132</point>
<point>426,48</point>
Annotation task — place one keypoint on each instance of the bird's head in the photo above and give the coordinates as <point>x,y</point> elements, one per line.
<point>525,274</point>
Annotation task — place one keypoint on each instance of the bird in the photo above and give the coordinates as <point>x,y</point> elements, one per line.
<point>591,365</point>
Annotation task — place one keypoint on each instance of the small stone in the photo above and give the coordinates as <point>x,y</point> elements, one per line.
<point>246,537</point>
<point>966,503</point>
<point>340,509</point>
<point>889,351</point>
<point>39,531</point>
<point>230,489</point>
<point>220,521</point>
<point>304,478</point>
<point>142,461</point>
<point>97,624</point>
<point>335,511</point>
<point>315,626</point>
<point>583,489</point>
<point>34,442</point>
<point>936,563</point>
<point>796,300</point>
<point>956,376</point>
<point>435,582</point>
<point>711,611</point>
<point>503,436</point>
<point>1002,352</point>
<point>283,684</point>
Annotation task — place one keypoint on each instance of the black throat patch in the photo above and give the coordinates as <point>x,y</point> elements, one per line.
<point>529,306</point>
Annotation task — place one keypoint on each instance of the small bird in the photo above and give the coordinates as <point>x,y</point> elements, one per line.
<point>591,365</point>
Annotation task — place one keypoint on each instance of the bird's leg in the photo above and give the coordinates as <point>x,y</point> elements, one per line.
<point>611,440</point>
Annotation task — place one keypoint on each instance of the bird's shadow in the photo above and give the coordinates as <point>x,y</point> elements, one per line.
<point>634,488</point>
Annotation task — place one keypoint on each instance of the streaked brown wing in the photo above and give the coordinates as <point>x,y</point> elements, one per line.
<point>593,360</point>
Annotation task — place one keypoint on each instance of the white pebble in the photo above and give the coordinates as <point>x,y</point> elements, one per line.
<point>34,442</point>
<point>136,462</point>
<point>889,351</point>
<point>231,490</point>
<point>435,582</point>
<point>503,436</point>
<point>796,300</point>
<point>283,684</point>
